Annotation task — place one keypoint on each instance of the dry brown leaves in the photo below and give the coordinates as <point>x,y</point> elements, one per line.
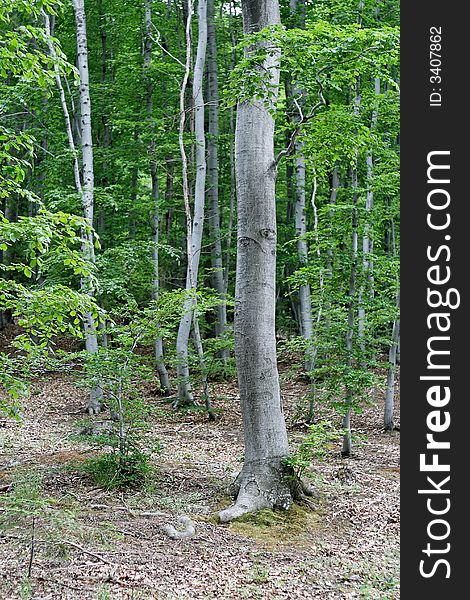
<point>351,552</point>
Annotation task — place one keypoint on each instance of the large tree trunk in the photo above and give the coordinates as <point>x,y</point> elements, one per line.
<point>261,483</point>
<point>195,222</point>
<point>213,178</point>
<point>155,215</point>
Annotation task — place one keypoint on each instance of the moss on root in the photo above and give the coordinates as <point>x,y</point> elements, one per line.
<point>278,527</point>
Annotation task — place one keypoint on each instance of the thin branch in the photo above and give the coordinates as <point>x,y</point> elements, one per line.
<point>303,119</point>
<point>31,553</point>
<point>157,41</point>
<point>74,545</point>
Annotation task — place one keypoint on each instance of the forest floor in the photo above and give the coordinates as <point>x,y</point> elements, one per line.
<point>95,544</point>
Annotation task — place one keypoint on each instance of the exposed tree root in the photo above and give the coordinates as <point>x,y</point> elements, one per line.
<point>188,531</point>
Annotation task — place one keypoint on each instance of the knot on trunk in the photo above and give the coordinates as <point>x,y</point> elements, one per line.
<point>268,234</point>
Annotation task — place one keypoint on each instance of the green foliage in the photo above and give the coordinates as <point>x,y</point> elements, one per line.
<point>26,501</point>
<point>321,438</point>
<point>329,73</point>
<point>115,470</point>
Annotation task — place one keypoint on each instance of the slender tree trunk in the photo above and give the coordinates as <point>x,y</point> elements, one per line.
<point>91,340</point>
<point>347,440</point>
<point>319,307</point>
<point>306,324</point>
<point>367,238</point>
<point>213,178</point>
<point>333,197</point>
<point>228,247</point>
<point>202,368</point>
<point>7,256</point>
<point>86,189</point>
<point>392,367</point>
<point>296,100</point>
<point>194,222</point>
<point>261,483</point>
<point>155,214</point>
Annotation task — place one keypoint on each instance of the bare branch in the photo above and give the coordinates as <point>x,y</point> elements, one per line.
<point>303,119</point>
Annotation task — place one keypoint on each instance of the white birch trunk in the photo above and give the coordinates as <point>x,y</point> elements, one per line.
<point>195,222</point>
<point>91,340</point>
<point>86,189</point>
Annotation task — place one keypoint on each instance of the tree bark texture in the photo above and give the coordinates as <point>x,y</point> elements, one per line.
<point>261,483</point>
<point>196,221</point>
<point>155,215</point>
<point>213,178</point>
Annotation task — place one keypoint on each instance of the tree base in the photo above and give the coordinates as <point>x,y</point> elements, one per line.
<point>265,485</point>
<point>94,404</point>
<point>94,408</point>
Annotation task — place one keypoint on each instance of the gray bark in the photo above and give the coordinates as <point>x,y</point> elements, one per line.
<point>392,367</point>
<point>155,214</point>
<point>85,189</point>
<point>194,222</point>
<point>261,483</point>
<point>213,178</point>
<point>335,183</point>
<point>367,238</point>
<point>228,247</point>
<point>91,340</point>
<point>202,368</point>
<point>297,10</point>
<point>305,308</point>
<point>347,440</point>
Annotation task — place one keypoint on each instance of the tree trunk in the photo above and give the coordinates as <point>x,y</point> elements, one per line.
<point>194,223</point>
<point>85,189</point>
<point>213,177</point>
<point>333,196</point>
<point>367,238</point>
<point>261,483</point>
<point>202,368</point>
<point>228,247</point>
<point>155,216</point>
<point>7,256</point>
<point>297,190</point>
<point>392,367</point>
<point>305,304</point>
<point>347,440</point>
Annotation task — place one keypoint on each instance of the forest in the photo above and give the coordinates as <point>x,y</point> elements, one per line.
<point>199,299</point>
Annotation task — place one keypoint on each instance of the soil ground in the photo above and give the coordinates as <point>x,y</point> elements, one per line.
<point>95,544</point>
